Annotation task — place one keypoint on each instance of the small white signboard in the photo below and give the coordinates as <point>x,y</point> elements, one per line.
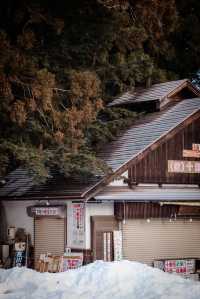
<point>178,166</point>
<point>183,166</point>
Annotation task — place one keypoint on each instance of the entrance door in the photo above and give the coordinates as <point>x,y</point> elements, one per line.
<point>104,246</point>
<point>160,239</point>
<point>102,237</point>
<point>49,236</point>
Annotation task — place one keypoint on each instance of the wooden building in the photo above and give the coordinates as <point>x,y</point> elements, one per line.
<point>152,197</point>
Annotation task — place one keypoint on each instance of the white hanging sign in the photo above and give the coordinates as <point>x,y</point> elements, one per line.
<point>47,211</point>
<point>76,225</point>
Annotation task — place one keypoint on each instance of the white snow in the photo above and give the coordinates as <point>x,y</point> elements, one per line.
<point>114,280</point>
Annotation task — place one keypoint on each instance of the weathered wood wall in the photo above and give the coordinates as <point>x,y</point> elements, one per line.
<point>142,210</point>
<point>136,210</point>
<point>153,168</point>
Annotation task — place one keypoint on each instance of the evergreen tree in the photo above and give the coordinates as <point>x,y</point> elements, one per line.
<point>61,63</point>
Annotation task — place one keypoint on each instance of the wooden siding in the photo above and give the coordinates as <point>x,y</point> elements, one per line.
<point>154,167</point>
<point>143,210</point>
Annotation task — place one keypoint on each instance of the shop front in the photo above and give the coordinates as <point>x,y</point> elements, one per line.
<point>155,223</point>
<point>44,230</point>
<point>140,220</point>
<point>53,229</point>
<point>50,226</point>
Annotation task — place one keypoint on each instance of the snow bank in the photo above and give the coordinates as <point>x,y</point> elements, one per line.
<point>114,280</point>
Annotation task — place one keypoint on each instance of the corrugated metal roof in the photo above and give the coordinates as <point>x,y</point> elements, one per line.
<point>138,137</point>
<point>155,92</point>
<point>153,194</point>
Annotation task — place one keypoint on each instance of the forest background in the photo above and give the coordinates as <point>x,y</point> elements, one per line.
<point>62,62</point>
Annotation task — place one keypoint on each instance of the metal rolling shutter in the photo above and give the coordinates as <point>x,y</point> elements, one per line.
<point>49,236</point>
<point>145,242</point>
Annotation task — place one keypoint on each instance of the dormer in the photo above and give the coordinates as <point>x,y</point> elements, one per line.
<point>157,97</point>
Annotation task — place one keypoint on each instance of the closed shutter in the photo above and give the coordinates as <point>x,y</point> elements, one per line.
<point>160,239</point>
<point>49,236</point>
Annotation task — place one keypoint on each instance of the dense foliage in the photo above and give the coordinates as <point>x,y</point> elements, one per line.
<point>61,63</point>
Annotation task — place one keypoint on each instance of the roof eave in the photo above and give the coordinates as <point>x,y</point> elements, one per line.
<point>35,198</point>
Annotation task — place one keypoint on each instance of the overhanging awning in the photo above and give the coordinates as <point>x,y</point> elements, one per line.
<point>181,203</point>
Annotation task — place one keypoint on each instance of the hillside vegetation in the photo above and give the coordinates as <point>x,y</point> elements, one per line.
<point>62,62</point>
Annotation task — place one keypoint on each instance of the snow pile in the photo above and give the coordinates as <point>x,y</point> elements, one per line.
<point>114,280</point>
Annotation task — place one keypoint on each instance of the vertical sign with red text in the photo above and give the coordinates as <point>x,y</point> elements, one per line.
<point>76,225</point>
